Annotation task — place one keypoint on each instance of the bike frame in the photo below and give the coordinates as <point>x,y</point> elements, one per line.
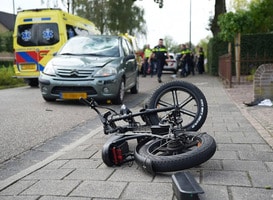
<point>109,124</point>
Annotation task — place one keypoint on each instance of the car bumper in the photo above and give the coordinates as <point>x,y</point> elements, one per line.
<point>106,88</point>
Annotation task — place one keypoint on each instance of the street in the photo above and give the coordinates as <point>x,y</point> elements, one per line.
<point>32,126</point>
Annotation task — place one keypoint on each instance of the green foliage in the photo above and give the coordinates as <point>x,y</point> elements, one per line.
<point>6,79</point>
<point>113,16</point>
<point>256,49</point>
<point>232,23</point>
<point>6,42</point>
<point>261,14</point>
<point>256,19</point>
<point>216,48</point>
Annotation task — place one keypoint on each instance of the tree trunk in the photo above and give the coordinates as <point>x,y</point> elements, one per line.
<point>237,43</point>
<point>219,8</point>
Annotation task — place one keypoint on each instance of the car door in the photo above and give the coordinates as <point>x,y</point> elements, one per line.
<point>129,63</point>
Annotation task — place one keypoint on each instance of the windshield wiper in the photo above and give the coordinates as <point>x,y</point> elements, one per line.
<point>69,54</point>
<point>92,54</point>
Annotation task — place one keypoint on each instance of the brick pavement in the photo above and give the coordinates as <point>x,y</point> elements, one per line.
<point>242,167</point>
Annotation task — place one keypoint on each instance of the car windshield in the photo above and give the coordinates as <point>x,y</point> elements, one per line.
<point>95,45</point>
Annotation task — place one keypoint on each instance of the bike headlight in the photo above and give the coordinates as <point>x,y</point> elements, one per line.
<point>49,70</point>
<point>106,71</point>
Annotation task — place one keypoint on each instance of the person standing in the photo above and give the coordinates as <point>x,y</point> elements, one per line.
<point>146,69</point>
<point>200,62</point>
<point>187,61</point>
<point>160,54</point>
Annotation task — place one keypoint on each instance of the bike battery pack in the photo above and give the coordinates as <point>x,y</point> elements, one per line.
<point>160,130</point>
<point>185,186</point>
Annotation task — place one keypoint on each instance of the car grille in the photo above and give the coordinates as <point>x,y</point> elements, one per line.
<point>74,73</point>
<point>59,89</point>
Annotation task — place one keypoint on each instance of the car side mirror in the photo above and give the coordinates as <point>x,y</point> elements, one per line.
<point>129,57</point>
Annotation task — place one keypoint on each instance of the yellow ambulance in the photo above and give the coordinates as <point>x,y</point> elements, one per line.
<point>39,34</point>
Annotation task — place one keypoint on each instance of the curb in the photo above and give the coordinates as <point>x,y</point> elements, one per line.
<point>9,181</point>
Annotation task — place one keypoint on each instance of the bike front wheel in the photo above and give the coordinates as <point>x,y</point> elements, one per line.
<point>191,101</point>
<point>188,150</point>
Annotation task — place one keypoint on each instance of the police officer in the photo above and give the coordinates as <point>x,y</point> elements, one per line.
<point>160,54</point>
<point>200,62</point>
<point>187,61</point>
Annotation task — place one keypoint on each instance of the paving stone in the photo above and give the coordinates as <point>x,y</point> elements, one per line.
<point>143,190</point>
<point>56,164</point>
<point>49,174</point>
<point>243,165</point>
<point>256,155</point>
<point>211,164</point>
<point>235,147</point>
<point>52,187</point>
<point>63,198</point>
<point>78,155</point>
<point>261,147</point>
<point>131,175</point>
<point>19,197</point>
<point>243,193</point>
<point>262,179</point>
<point>83,163</point>
<point>214,192</point>
<point>100,189</point>
<point>227,155</point>
<point>269,165</point>
<point>226,178</point>
<point>17,188</point>
<point>90,174</point>
<point>248,139</point>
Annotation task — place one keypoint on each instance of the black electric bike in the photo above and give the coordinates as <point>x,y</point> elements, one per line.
<point>166,138</point>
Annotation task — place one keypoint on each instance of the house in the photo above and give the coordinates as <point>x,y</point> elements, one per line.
<point>7,21</point>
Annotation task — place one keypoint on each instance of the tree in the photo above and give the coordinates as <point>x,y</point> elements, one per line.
<point>219,8</point>
<point>112,16</point>
<point>261,14</point>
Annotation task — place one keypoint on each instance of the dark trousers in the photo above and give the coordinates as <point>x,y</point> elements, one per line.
<point>160,65</point>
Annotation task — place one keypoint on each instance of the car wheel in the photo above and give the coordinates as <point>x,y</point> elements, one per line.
<point>49,99</point>
<point>121,92</point>
<point>134,90</point>
<point>33,82</point>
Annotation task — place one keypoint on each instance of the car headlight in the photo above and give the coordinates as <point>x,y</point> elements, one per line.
<point>106,71</point>
<point>49,70</point>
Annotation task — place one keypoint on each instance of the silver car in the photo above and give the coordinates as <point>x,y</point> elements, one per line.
<point>98,66</point>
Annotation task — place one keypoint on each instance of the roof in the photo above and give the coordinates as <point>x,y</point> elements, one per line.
<point>7,20</point>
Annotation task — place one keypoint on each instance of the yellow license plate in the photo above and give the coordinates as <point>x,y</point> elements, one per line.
<point>28,67</point>
<point>73,95</point>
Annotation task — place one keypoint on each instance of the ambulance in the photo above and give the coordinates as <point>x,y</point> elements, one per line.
<point>39,34</point>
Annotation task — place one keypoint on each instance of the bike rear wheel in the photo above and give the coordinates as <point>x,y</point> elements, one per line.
<point>192,104</point>
<point>166,155</point>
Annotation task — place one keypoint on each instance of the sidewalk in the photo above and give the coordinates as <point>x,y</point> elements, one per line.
<point>242,167</point>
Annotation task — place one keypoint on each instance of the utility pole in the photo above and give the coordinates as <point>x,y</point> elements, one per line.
<point>190,28</point>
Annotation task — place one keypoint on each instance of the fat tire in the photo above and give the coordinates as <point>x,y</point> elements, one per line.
<point>170,163</point>
<point>193,92</point>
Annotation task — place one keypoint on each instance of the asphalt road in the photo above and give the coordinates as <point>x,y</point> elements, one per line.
<point>27,121</point>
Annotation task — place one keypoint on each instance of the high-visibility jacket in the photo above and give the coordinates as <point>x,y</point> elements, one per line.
<point>147,53</point>
<point>186,53</point>
<point>160,52</point>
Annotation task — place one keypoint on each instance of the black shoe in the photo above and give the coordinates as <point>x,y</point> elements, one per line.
<point>159,80</point>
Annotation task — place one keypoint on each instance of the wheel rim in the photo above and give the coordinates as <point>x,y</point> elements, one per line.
<point>184,100</point>
<point>174,147</point>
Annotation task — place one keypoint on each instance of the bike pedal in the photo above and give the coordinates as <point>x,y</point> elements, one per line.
<point>185,186</point>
